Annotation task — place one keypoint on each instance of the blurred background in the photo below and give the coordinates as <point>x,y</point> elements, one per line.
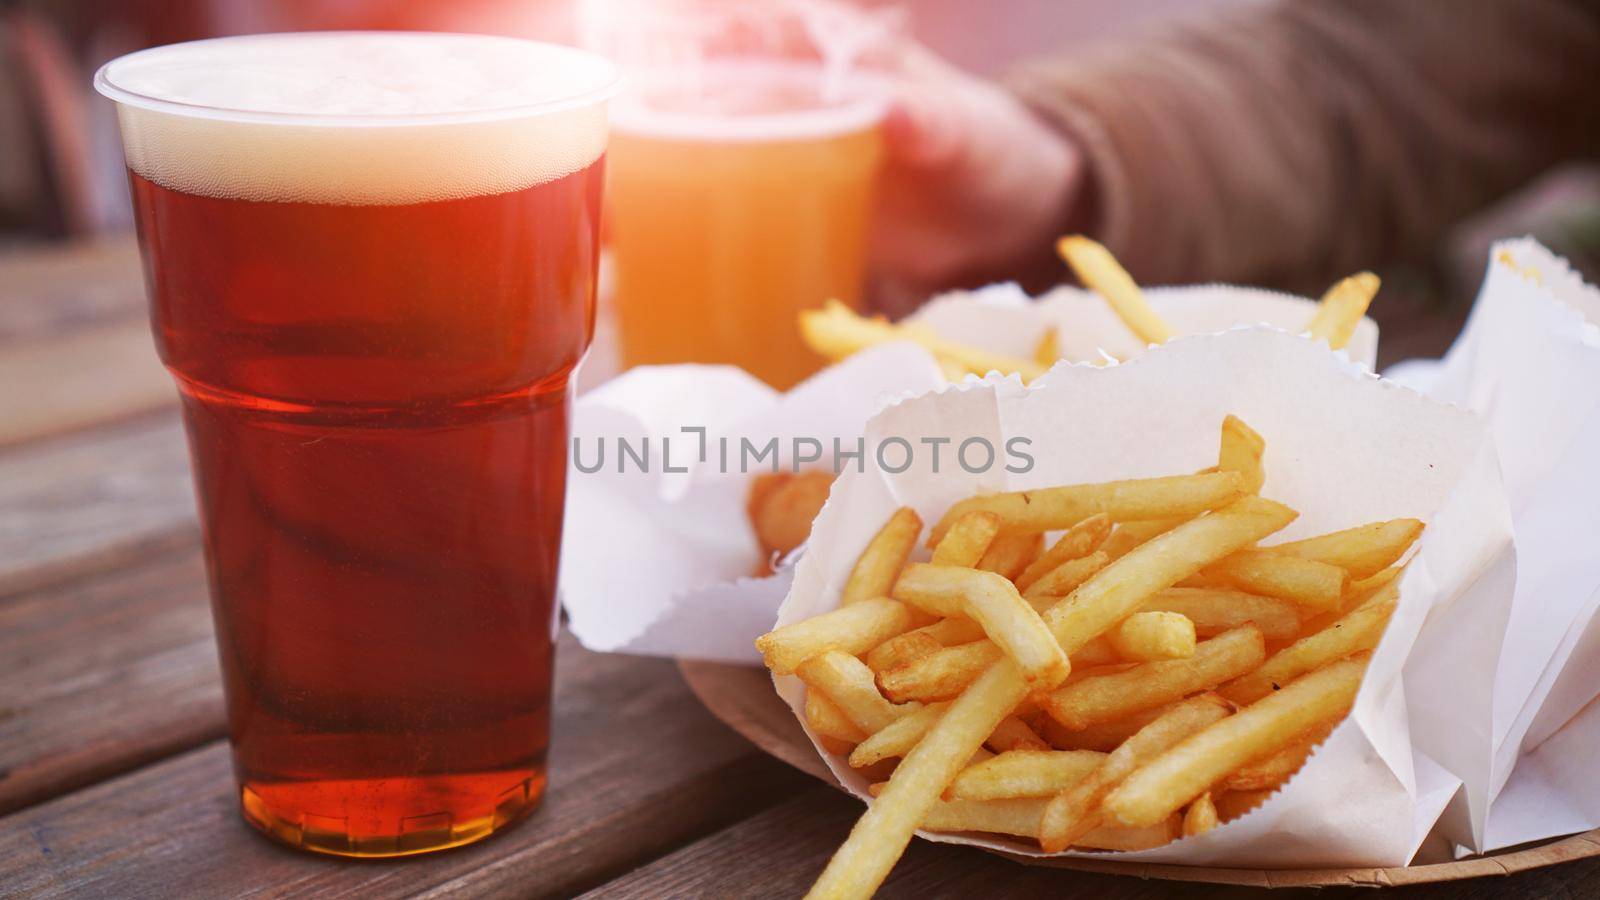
<point>62,184</point>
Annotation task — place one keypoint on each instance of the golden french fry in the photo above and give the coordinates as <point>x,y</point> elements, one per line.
<point>1266,726</point>
<point>952,631</point>
<point>897,738</point>
<point>836,331</point>
<point>1353,632</point>
<point>1131,534</point>
<point>1314,585</point>
<point>1362,551</point>
<point>1106,698</point>
<point>1241,451</point>
<point>1065,578</point>
<point>1105,736</point>
<point>1098,652</point>
<point>1200,817</point>
<point>1124,586</point>
<point>1074,812</point>
<point>1270,772</point>
<point>1150,636</point>
<point>881,834</point>
<point>827,720</point>
<point>1048,350</point>
<point>1057,508</point>
<point>1021,817</point>
<point>993,602</point>
<point>1358,592</point>
<point>941,675</point>
<point>849,684</point>
<point>1010,553</point>
<point>1014,734</point>
<point>1076,542</point>
<point>904,649</point>
<point>1024,773</point>
<point>967,540</point>
<point>1100,272</point>
<point>781,506</point>
<point>1233,804</point>
<point>855,629</point>
<point>1215,610</point>
<point>875,569</point>
<point>1341,309</point>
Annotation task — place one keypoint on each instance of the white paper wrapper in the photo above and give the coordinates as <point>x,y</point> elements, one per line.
<point>658,562</point>
<point>679,546</point>
<point>1529,361</point>
<point>1343,448</point>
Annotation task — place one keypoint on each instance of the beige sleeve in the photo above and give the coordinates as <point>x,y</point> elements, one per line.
<point>1315,136</point>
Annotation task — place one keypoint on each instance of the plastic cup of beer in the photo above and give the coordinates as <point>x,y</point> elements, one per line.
<point>371,265</point>
<point>737,199</point>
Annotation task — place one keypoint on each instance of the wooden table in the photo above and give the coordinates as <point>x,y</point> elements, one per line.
<point>114,778</point>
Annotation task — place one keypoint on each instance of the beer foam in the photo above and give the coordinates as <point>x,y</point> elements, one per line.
<point>365,118</point>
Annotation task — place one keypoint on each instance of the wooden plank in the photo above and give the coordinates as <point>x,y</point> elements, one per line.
<point>101,675</point>
<point>57,384</point>
<point>779,851</point>
<point>58,289</point>
<point>637,769</point>
<point>92,500</point>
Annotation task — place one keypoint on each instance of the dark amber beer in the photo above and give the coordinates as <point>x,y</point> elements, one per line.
<point>371,264</point>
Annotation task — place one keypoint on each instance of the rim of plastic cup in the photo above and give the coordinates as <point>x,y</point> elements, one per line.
<point>609,78</point>
<point>865,108</point>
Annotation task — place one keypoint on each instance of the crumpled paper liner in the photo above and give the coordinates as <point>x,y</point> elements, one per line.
<point>1343,448</point>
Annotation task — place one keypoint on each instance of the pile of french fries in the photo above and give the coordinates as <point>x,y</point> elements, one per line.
<point>836,331</point>
<point>1150,672</point>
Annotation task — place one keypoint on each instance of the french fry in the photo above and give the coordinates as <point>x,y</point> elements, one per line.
<point>1353,632</point>
<point>1124,586</point>
<point>1010,553</point>
<point>1241,451</point>
<point>1014,734</point>
<point>1270,772</point>
<point>967,540</point>
<point>1200,817</point>
<point>904,649</point>
<point>1362,551</point>
<point>1314,585</point>
<point>993,602</point>
<point>1024,773</point>
<point>1358,592</point>
<point>897,738</point>
<point>1150,636</point>
<point>1104,737</point>
<point>1057,508</point>
<point>1233,804</point>
<point>881,834</point>
<point>1341,309</point>
<point>1215,610</point>
<point>835,331</point>
<point>1020,817</point>
<point>1065,578</point>
<point>1076,542</point>
<point>941,675</point>
<point>875,569</point>
<point>1048,350</point>
<point>853,629</point>
<point>1266,726</point>
<point>1131,534</point>
<point>1107,698</point>
<point>1073,812</point>
<point>1098,652</point>
<point>826,719</point>
<point>849,684</point>
<point>1100,272</point>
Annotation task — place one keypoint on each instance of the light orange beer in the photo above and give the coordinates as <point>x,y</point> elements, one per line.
<point>729,217</point>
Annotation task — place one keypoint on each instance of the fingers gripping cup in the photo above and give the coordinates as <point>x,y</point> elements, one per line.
<point>371,265</point>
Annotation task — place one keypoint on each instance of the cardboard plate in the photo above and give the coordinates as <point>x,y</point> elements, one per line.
<point>743,698</point>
